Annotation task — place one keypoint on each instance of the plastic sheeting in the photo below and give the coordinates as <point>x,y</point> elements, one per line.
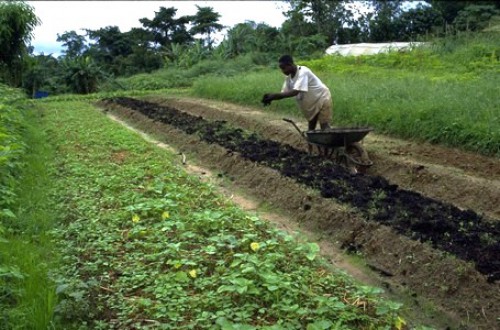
<point>370,48</point>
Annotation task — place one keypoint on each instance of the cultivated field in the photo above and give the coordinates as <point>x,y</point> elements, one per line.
<point>180,202</point>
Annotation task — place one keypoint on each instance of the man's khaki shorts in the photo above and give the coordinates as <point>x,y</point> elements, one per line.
<point>325,112</point>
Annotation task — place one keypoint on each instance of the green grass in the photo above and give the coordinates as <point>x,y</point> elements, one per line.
<point>175,77</point>
<point>27,256</point>
<point>446,94</point>
<point>146,245</point>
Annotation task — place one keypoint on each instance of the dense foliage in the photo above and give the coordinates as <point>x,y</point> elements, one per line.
<point>12,147</point>
<point>169,40</point>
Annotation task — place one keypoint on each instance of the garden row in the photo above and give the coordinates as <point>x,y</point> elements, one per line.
<point>146,245</point>
<point>462,233</point>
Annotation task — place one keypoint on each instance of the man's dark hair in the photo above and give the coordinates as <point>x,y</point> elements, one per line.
<point>286,59</point>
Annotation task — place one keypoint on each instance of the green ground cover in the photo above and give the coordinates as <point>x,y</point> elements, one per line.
<point>146,245</point>
<point>27,255</point>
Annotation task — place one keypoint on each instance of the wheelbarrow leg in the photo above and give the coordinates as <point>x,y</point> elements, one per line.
<point>310,148</point>
<point>357,158</point>
<point>329,152</point>
<point>323,151</point>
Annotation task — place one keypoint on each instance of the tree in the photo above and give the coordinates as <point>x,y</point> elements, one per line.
<point>82,75</point>
<point>239,39</point>
<point>384,24</point>
<point>74,43</point>
<point>40,73</point>
<point>250,37</point>
<point>298,25</point>
<point>141,38</point>
<point>265,37</point>
<point>17,22</point>
<point>144,57</point>
<point>205,23</point>
<point>166,29</point>
<point>474,17</point>
<point>110,48</point>
<point>417,22</point>
<point>453,13</point>
<point>327,17</point>
<point>448,9</point>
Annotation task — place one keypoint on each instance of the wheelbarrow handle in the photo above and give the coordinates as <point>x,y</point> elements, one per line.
<point>296,127</point>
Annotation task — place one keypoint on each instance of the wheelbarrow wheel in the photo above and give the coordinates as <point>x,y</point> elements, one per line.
<point>357,160</point>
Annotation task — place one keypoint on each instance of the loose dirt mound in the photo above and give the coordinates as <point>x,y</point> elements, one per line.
<point>402,233</point>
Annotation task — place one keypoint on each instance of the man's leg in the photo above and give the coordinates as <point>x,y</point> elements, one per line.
<point>313,122</point>
<point>311,127</point>
<point>325,115</point>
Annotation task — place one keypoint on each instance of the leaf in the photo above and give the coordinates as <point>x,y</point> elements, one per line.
<point>272,287</point>
<point>313,251</point>
<point>210,249</point>
<point>241,289</point>
<point>8,213</point>
<point>11,272</point>
<point>181,277</point>
<point>319,325</point>
<point>226,288</point>
<point>61,288</point>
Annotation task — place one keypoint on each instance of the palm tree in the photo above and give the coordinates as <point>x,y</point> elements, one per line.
<point>82,75</point>
<point>205,23</point>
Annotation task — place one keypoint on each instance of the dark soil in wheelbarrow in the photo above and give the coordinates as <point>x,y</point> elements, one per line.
<point>420,219</point>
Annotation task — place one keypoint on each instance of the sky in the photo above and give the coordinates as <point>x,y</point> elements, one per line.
<point>58,17</point>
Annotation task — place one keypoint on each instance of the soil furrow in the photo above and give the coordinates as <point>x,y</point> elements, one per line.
<point>466,180</point>
<point>463,233</point>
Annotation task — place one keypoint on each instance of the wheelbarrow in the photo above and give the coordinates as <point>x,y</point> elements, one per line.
<point>340,144</point>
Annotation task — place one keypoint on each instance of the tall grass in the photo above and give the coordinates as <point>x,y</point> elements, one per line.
<point>452,113</point>
<point>444,93</point>
<point>27,294</point>
<point>181,77</point>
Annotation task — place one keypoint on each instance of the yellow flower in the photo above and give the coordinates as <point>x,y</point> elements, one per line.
<point>135,218</point>
<point>254,246</point>
<point>177,265</point>
<point>192,273</point>
<point>165,215</point>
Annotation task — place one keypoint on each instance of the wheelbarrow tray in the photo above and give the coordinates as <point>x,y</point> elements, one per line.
<point>337,137</point>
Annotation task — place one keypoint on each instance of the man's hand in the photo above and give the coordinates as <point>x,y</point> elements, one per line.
<point>266,99</point>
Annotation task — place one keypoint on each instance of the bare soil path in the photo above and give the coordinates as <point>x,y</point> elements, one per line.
<point>462,297</point>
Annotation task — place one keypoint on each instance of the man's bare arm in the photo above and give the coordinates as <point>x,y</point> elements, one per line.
<point>284,95</point>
